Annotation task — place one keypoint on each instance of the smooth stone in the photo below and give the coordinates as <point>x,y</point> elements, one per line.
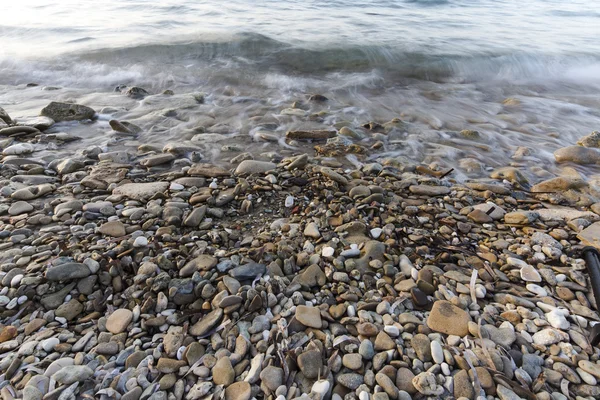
<point>20,207</point>
<point>577,155</point>
<point>118,321</point>
<point>272,377</point>
<point>446,318</point>
<point>206,323</point>
<point>59,111</point>
<point>248,271</point>
<point>67,271</point>
<point>238,391</point>
<point>309,316</point>
<point>254,167</point>
<point>223,373</point>
<point>426,190</point>
<point>72,373</point>
<point>310,363</point>
<point>113,228</point>
<point>141,191</point>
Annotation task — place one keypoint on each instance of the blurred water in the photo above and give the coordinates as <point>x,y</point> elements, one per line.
<point>442,65</point>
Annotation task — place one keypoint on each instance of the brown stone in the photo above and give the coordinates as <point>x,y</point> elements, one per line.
<point>447,318</point>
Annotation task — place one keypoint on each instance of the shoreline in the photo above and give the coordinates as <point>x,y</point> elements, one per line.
<point>168,277</point>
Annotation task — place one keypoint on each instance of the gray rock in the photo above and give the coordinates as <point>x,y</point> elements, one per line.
<point>206,323</point>
<point>248,271</point>
<point>20,207</point>
<point>72,373</point>
<point>141,191</point>
<point>350,381</point>
<point>578,155</point>
<point>272,377</point>
<point>67,112</point>
<point>68,271</point>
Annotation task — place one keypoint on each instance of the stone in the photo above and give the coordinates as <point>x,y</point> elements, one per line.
<point>67,112</point>
<point>32,192</point>
<point>530,274</point>
<point>590,367</point>
<point>521,217</point>
<point>577,155</point>
<point>309,316</point>
<point>310,363</point>
<point>207,171</point>
<point>203,262</point>
<point>248,271</point>
<point>223,373</point>
<point>118,321</point>
<point>312,230</point>
<point>351,381</point>
<point>426,190</point>
<point>558,184</point>
<point>169,365</point>
<point>422,346</point>
<point>7,333</point>
<point>67,271</point>
<point>426,384</point>
<point>352,361</point>
<point>20,207</point>
<point>72,373</point>
<point>591,140</point>
<point>310,135</point>
<point>505,393</point>
<point>141,191</point>
<point>69,310</point>
<point>549,336</point>
<point>206,323</point>
<point>492,210</point>
<point>463,386</point>
<point>404,378</point>
<point>312,276</point>
<point>113,228</point>
<point>272,377</point>
<point>387,385</point>
<point>590,236</point>
<point>238,391</point>
<point>247,167</point>
<point>446,318</point>
<point>501,336</point>
<point>437,353</point>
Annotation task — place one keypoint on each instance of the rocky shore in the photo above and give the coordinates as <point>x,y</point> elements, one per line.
<point>154,275</point>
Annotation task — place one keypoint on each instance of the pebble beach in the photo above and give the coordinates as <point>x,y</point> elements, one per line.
<point>150,274</point>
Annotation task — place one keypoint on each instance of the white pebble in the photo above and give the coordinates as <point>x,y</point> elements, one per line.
<point>289,201</point>
<point>376,232</point>
<point>322,387</point>
<point>48,344</point>
<point>536,289</point>
<point>437,353</point>
<point>327,251</point>
<point>265,335</point>
<point>140,241</point>
<point>391,330</point>
<point>60,320</point>
<point>14,282</point>
<point>4,301</point>
<point>213,184</point>
<point>414,274</point>
<point>480,291</point>
<point>176,186</point>
<point>21,299</point>
<point>363,395</point>
<point>587,377</point>
<point>445,369</point>
<point>507,325</point>
<point>557,319</point>
<point>351,311</point>
<point>12,304</point>
<point>561,277</point>
<point>453,340</point>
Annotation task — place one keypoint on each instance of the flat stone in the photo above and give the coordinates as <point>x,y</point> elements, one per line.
<point>206,323</point>
<point>72,373</point>
<point>113,228</point>
<point>203,262</point>
<point>351,381</point>
<point>312,230</point>
<point>223,373</point>
<point>169,365</point>
<point>502,336</point>
<point>384,342</point>
<point>426,190</point>
<point>309,316</point>
<point>207,171</point>
<point>67,112</point>
<point>238,391</point>
<point>272,377</point>
<point>463,386</point>
<point>446,318</point>
<point>521,217</point>
<point>590,367</point>
<point>67,271</point>
<point>118,321</point>
<point>310,363</point>
<point>577,155</point>
<point>422,346</point>
<point>20,207</point>
<point>69,310</point>
<point>141,191</point>
<point>310,135</point>
<point>248,271</point>
<point>353,361</point>
<point>254,167</point>
<point>530,274</point>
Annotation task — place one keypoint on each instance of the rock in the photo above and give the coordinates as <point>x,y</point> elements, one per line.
<point>5,117</point>
<point>350,381</point>
<point>352,361</point>
<point>387,385</point>
<point>577,155</point>
<point>506,394</point>
<point>32,192</point>
<point>437,353</point>
<point>492,210</point>
<point>7,333</point>
<point>124,127</point>
<point>558,184</point>
<point>591,140</point>
<point>135,92</point>
<point>426,190</point>
<point>463,386</point>
<point>206,323</point>
<point>426,384</point>
<point>404,378</point>
<point>311,135</point>
<point>238,391</point>
<point>141,191</point>
<point>384,342</point>
<point>169,365</point>
<point>223,373</point>
<point>113,228</point>
<point>312,230</point>
<point>310,363</point>
<point>312,276</point>
<point>203,262</point>
<point>546,337</point>
<point>67,112</point>
<point>501,336</point>
<point>69,310</point>
<point>248,271</point>
<point>72,373</point>
<point>590,367</point>
<point>67,271</point>
<point>118,321</point>
<point>207,171</point>
<point>590,236</point>
<point>20,207</point>
<point>272,377</point>
<point>309,316</point>
<point>530,274</point>
<point>254,167</point>
<point>521,217</point>
<point>449,319</point>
